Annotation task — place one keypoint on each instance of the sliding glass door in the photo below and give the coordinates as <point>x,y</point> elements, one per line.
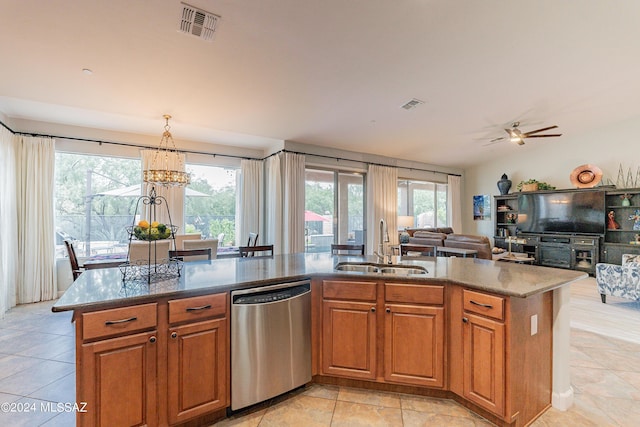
<point>334,209</point>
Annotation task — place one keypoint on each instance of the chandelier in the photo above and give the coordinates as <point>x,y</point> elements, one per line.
<point>167,168</point>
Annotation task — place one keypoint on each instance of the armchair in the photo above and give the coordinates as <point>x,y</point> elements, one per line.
<point>619,280</point>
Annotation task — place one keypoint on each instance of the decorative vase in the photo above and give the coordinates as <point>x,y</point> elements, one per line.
<point>404,237</point>
<point>626,202</point>
<point>504,184</point>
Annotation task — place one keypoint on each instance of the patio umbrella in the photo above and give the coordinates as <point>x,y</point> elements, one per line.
<point>135,191</point>
<point>312,216</point>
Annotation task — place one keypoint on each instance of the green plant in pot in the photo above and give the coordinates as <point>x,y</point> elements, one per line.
<point>534,185</point>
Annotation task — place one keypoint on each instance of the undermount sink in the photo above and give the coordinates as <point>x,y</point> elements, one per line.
<point>396,269</point>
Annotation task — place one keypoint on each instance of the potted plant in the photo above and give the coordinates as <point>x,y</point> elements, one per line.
<point>534,185</point>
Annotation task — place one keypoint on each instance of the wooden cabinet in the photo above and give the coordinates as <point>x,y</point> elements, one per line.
<point>349,347</point>
<point>414,334</point>
<point>197,357</point>
<point>500,353</point>
<point>171,355</point>
<point>484,350</point>
<point>197,369</point>
<point>401,325</point>
<point>117,376</point>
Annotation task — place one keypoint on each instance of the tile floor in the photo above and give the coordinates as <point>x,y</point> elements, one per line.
<point>37,370</point>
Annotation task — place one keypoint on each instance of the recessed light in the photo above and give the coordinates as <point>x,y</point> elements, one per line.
<point>87,71</point>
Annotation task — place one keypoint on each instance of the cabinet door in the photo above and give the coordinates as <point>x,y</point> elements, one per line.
<point>484,362</point>
<point>349,339</point>
<point>414,345</point>
<point>117,379</point>
<point>197,369</point>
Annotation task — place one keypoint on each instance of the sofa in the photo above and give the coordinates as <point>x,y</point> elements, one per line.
<point>447,238</point>
<point>619,280</point>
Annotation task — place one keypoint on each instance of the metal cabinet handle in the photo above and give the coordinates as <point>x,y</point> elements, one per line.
<point>388,310</point>
<point>203,307</point>
<point>465,320</point>
<point>373,309</point>
<point>152,340</point>
<point>115,322</point>
<point>480,304</point>
<point>174,335</point>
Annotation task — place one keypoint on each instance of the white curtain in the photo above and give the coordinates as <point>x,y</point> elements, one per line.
<point>36,279</point>
<point>293,209</point>
<point>454,203</point>
<point>249,203</point>
<point>174,195</point>
<point>8,221</point>
<point>284,202</point>
<point>382,203</point>
<point>273,203</point>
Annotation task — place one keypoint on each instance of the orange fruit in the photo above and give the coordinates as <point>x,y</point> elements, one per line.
<point>154,224</point>
<point>143,224</point>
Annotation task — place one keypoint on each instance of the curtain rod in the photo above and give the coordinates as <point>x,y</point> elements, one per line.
<point>366,163</point>
<point>126,144</point>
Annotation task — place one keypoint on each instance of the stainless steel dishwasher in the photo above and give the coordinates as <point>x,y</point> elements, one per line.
<point>270,341</point>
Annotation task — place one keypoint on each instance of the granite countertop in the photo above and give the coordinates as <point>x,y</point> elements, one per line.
<point>104,287</point>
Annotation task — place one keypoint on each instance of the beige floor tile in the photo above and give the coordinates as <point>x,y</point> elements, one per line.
<point>299,411</point>
<point>419,419</point>
<point>434,406</point>
<point>349,414</point>
<point>12,364</point>
<point>248,419</point>
<point>601,382</point>
<point>62,390</point>
<point>324,391</point>
<point>369,397</point>
<point>31,414</point>
<point>28,381</point>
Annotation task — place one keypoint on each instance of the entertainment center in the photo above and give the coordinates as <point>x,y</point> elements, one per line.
<point>568,228</point>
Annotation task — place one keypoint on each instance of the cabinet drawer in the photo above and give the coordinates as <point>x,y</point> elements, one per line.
<point>416,294</point>
<point>118,321</point>
<point>354,291</point>
<point>196,308</point>
<point>583,241</point>
<point>486,305</point>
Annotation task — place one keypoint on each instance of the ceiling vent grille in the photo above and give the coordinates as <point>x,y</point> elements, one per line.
<point>412,104</point>
<point>197,22</point>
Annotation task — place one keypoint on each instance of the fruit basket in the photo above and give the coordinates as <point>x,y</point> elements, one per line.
<point>150,232</point>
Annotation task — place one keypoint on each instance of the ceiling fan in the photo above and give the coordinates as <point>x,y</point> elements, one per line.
<point>517,136</point>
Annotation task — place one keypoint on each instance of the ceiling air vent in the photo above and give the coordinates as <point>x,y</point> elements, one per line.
<point>197,22</point>
<point>412,104</point>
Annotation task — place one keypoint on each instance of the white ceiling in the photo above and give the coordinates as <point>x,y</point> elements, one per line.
<point>328,72</point>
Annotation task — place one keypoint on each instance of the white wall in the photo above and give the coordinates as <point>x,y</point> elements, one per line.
<point>552,160</point>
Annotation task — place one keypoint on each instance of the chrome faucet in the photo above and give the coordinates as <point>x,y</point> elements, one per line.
<point>383,238</point>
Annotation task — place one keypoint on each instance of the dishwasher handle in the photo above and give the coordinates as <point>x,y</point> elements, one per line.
<point>270,294</point>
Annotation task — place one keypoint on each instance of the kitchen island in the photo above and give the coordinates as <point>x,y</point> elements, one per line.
<point>163,348</point>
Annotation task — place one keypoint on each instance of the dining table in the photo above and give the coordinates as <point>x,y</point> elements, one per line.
<point>104,261</point>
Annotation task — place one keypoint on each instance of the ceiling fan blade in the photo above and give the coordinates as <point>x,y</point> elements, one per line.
<point>539,130</point>
<point>542,136</point>
<point>500,138</point>
<point>493,141</point>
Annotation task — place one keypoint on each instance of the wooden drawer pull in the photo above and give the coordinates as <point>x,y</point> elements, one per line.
<point>115,322</point>
<point>204,307</point>
<point>480,304</point>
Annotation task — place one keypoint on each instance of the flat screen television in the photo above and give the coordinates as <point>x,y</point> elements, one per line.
<point>571,212</point>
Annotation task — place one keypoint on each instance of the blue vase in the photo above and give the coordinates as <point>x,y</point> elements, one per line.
<point>504,184</point>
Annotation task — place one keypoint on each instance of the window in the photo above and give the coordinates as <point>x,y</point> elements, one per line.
<point>334,209</point>
<point>425,201</point>
<point>210,203</point>
<point>95,200</point>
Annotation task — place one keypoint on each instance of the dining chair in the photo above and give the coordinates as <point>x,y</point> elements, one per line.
<point>417,250</point>
<point>156,252</point>
<point>203,244</point>
<point>187,255</point>
<point>73,259</point>
<point>180,239</point>
<point>253,239</point>
<point>347,249</point>
<point>250,251</point>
